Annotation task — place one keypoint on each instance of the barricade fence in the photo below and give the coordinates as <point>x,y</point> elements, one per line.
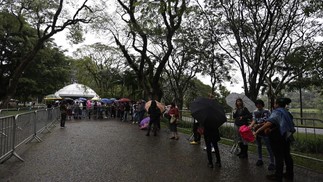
<point>23,128</point>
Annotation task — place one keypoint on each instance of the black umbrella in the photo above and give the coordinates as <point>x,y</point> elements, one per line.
<point>208,112</point>
<point>68,100</point>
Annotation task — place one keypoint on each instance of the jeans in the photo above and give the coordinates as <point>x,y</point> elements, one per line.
<point>259,148</point>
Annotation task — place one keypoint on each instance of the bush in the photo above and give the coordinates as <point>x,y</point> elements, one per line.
<point>308,145</point>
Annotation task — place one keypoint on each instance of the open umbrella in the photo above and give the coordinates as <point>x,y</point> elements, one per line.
<point>52,97</point>
<point>208,112</point>
<point>124,100</point>
<point>159,105</point>
<point>144,123</point>
<point>82,99</point>
<point>106,101</point>
<point>231,101</point>
<point>69,100</point>
<point>95,98</point>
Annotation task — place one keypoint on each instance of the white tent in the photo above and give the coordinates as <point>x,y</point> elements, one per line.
<point>76,90</point>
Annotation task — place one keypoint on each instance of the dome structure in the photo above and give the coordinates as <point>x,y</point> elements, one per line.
<point>76,90</point>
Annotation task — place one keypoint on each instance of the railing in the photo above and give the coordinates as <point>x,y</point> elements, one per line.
<point>311,128</point>
<point>23,128</point>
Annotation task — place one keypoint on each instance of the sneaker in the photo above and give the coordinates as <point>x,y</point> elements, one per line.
<point>271,167</point>
<point>213,150</point>
<point>194,143</point>
<point>259,163</point>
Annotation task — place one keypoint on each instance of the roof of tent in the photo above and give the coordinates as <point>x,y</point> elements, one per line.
<point>76,90</point>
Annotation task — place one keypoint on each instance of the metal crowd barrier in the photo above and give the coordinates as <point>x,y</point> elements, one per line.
<point>23,128</point>
<point>307,126</point>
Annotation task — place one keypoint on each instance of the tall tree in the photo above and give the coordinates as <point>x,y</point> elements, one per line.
<point>258,35</point>
<point>186,58</point>
<point>46,18</point>
<point>216,63</point>
<point>147,23</point>
<point>48,73</point>
<point>100,70</point>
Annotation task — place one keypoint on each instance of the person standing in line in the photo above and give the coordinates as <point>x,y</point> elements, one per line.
<point>173,113</point>
<point>241,115</point>
<point>63,109</point>
<point>135,113</point>
<point>154,114</point>
<point>211,138</point>
<point>196,134</point>
<point>88,108</point>
<point>259,116</point>
<point>141,111</point>
<point>280,128</point>
<point>126,111</point>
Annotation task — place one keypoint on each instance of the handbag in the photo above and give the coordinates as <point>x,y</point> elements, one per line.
<point>173,119</point>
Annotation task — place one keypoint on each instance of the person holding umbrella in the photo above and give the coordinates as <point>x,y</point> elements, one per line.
<point>210,114</point>
<point>211,138</point>
<point>241,117</point>
<point>154,114</point>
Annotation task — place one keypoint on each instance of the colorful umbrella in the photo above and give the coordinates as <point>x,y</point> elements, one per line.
<point>96,98</point>
<point>144,123</point>
<point>124,100</point>
<point>106,101</point>
<point>82,99</point>
<point>159,105</point>
<point>52,97</point>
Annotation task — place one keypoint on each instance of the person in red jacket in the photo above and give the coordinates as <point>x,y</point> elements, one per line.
<point>174,115</point>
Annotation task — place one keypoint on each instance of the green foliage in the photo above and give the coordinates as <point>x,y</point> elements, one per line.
<point>16,39</point>
<point>308,145</point>
<point>48,72</point>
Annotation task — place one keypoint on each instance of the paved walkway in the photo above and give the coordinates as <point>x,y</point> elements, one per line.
<point>112,150</point>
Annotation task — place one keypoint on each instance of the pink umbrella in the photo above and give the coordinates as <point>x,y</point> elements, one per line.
<point>124,100</point>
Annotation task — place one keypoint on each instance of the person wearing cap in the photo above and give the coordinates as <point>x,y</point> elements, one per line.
<point>280,127</point>
<point>259,117</point>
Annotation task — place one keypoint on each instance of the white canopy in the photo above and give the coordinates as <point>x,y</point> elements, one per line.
<point>76,90</point>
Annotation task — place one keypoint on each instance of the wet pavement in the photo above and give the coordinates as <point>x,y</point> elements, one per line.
<point>111,150</point>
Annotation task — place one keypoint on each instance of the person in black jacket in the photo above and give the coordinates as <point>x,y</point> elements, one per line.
<point>154,114</point>
<point>211,137</point>
<point>241,117</point>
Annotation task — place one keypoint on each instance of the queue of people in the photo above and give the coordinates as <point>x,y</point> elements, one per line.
<point>274,129</point>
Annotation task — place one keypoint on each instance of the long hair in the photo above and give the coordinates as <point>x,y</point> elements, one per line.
<point>242,105</point>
